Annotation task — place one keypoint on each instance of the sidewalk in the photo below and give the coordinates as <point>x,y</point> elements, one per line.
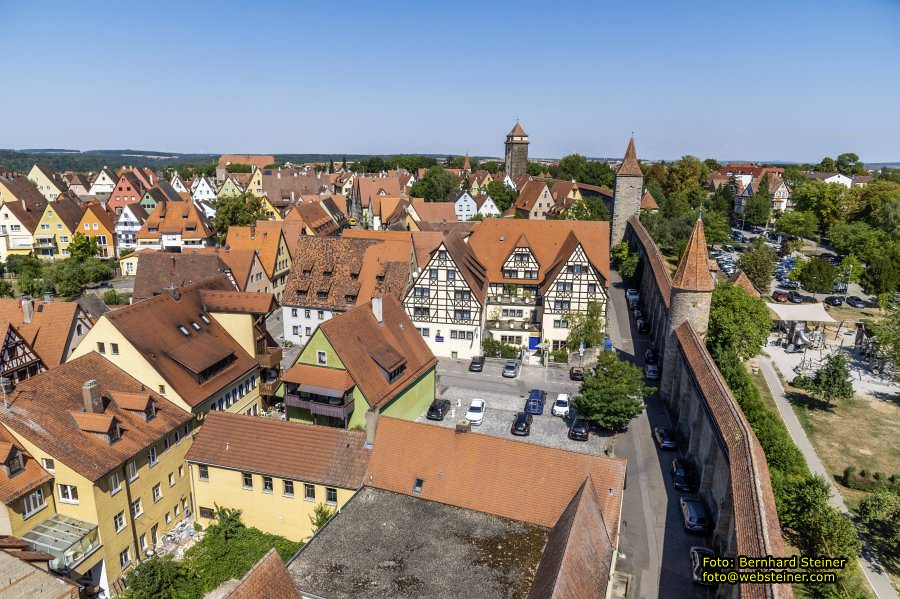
<point>872,570</point>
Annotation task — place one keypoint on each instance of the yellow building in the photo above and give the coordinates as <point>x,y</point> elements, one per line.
<point>115,451</point>
<point>21,207</point>
<point>255,185</point>
<point>303,466</point>
<point>47,182</point>
<point>26,489</point>
<point>198,346</point>
<point>56,228</point>
<point>97,224</point>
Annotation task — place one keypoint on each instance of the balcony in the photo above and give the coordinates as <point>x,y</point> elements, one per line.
<point>45,241</point>
<point>513,300</point>
<point>513,325</point>
<point>270,358</point>
<point>334,407</point>
<point>68,540</point>
<point>268,388</point>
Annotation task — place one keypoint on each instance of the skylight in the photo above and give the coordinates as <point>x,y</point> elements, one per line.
<point>196,326</point>
<point>184,330</point>
<point>205,318</point>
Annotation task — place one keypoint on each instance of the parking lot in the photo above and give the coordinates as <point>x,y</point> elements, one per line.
<point>505,397</point>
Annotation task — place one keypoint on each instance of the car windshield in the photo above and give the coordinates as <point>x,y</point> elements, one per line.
<point>562,402</point>
<point>475,409</point>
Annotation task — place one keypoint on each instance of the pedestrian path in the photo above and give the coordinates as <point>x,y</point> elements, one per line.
<point>878,579</point>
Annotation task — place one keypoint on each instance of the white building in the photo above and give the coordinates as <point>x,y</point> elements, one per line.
<point>104,182</point>
<point>130,221</point>
<point>464,204</point>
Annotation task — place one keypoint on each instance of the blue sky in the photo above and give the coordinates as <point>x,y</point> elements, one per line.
<point>766,80</point>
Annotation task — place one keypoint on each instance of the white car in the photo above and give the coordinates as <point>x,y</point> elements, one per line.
<point>475,413</point>
<point>561,405</point>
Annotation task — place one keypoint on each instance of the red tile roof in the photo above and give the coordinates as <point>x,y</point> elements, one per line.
<point>304,452</point>
<point>18,484</point>
<point>50,330</point>
<point>630,166</point>
<point>693,270</point>
<point>520,481</point>
<point>238,302</point>
<point>318,376</point>
<point>267,579</point>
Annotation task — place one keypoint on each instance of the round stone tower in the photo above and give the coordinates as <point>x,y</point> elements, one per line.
<point>627,195</point>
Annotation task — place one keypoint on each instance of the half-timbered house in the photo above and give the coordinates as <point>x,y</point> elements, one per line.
<point>18,361</point>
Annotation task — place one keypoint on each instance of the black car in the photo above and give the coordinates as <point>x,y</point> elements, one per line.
<point>664,438</point>
<point>808,299</point>
<point>855,302</point>
<point>521,425</point>
<point>650,356</point>
<point>643,326</point>
<point>579,430</point>
<point>438,409</point>
<point>795,298</point>
<point>834,300</point>
<point>682,476</point>
<point>477,364</point>
<point>576,373</point>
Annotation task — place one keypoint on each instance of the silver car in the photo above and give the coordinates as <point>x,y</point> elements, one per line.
<point>511,369</point>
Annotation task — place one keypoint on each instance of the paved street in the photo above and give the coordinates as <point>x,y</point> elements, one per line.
<point>653,545</point>
<point>506,397</point>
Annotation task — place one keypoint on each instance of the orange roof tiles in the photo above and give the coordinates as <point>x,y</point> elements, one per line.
<point>267,579</point>
<point>261,161</point>
<point>693,270</point>
<point>434,211</point>
<point>517,130</point>
<point>318,376</point>
<point>40,410</point>
<point>630,166</point>
<point>743,281</point>
<point>217,300</point>
<point>293,450</point>
<point>455,471</point>
<point>18,484</point>
<point>265,237</point>
<point>51,327</point>
<point>648,202</point>
<point>93,423</point>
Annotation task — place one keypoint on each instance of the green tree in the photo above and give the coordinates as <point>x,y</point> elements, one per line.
<point>436,185</point>
<point>82,248</point>
<point>586,326</point>
<point>832,381</point>
<point>737,322</point>
<point>887,336</point>
<point>236,211</point>
<point>491,166</point>
<point>848,164</point>
<point>850,270</point>
<point>625,259</point>
<point>6,288</point>
<point>879,514</point>
<point>587,209</point>
<point>687,173</point>
<point>612,393</point>
<point>715,226</point>
<point>320,515</point>
<point>818,275</point>
<point>827,165</point>
<point>830,202</point>
<point>757,210</point>
<point>535,168</point>
<point>162,578</point>
<point>502,195</point>
<point>239,168</point>
<point>798,223</point>
<point>883,270</point>
<point>758,263</point>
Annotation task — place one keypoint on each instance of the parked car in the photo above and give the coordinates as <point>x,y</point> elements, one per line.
<point>579,430</point>
<point>576,373</point>
<point>795,298</point>
<point>521,425</point>
<point>511,369</point>
<point>682,477</point>
<point>697,555</point>
<point>438,409</point>
<point>728,248</point>
<point>651,371</point>
<point>475,413</point>
<point>839,288</point>
<point>535,402</point>
<point>632,296</point>
<point>561,406</point>
<point>693,514</point>
<point>834,300</point>
<point>643,326</point>
<point>650,356</point>
<point>856,302</point>
<point>477,364</point>
<point>789,284</point>
<point>638,315</point>
<point>664,438</point>
<point>808,299</point>
<point>780,296</point>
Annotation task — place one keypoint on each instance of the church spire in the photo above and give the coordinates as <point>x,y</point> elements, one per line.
<point>693,270</point>
<point>466,165</point>
<point>630,166</point>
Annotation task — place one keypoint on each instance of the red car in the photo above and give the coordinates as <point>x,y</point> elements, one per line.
<point>780,296</point>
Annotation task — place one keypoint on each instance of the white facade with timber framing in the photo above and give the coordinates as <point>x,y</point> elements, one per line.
<point>512,302</point>
<point>18,361</point>
<point>574,286</point>
<point>446,299</point>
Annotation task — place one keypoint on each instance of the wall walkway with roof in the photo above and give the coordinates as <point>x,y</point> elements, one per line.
<point>734,476</point>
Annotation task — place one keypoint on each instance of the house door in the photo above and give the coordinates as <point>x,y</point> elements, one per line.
<point>154,534</point>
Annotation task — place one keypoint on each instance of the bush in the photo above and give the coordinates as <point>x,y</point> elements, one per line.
<point>497,349</point>
<point>561,356</point>
<point>802,381</point>
<point>862,481</point>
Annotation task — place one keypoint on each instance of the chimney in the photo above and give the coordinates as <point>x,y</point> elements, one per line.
<point>371,426</point>
<point>27,309</point>
<point>90,394</point>
<point>377,309</point>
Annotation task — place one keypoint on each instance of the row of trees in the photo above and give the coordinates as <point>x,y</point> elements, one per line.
<point>61,277</point>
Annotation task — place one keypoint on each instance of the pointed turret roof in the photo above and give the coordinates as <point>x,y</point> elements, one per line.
<point>630,166</point>
<point>517,130</point>
<point>648,202</point>
<point>693,270</point>
<point>466,165</point>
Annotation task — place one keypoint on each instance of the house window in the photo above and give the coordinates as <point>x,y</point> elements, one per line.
<point>181,472</point>
<point>462,315</point>
<point>132,470</point>
<point>294,312</point>
<point>425,332</point>
<point>288,488</point>
<point>267,484</point>
<point>136,509</point>
<point>101,347</point>
<point>442,254</point>
<point>119,521</point>
<point>248,480</point>
<point>565,287</point>
<point>461,296</point>
<point>417,486</point>
<point>171,479</point>
<point>34,502</point>
<point>421,292</point>
<point>510,274</point>
<point>451,276</point>
<point>48,464</point>
<point>330,496</point>
<point>157,493</point>
<point>144,542</point>
<point>561,305</point>
<point>433,274</point>
<point>321,358</point>
<point>125,557</point>
<point>151,456</point>
<point>68,493</point>
<point>207,513</point>
<point>162,389</point>
<point>321,315</point>
<point>419,312</point>
<point>306,313</point>
<point>592,288</point>
<point>309,492</point>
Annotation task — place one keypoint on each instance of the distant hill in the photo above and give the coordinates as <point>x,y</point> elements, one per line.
<point>94,160</point>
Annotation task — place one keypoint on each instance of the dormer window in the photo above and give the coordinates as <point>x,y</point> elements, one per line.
<point>151,410</point>
<point>417,485</point>
<point>326,273</point>
<point>205,318</point>
<point>15,462</point>
<point>115,433</point>
<point>196,326</point>
<point>307,273</point>
<point>184,330</point>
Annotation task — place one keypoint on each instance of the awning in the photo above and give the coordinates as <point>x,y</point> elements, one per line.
<point>801,312</point>
<point>332,382</point>
<point>312,389</point>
